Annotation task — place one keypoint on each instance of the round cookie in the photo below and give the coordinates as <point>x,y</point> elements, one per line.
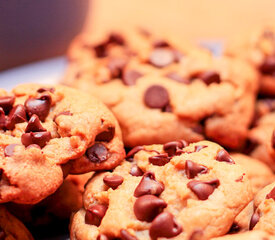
<point>257,172</point>
<point>47,132</point>
<point>160,90</point>
<point>262,135</point>
<point>164,191</point>
<point>11,228</point>
<point>258,48</point>
<point>264,214</point>
<point>252,235</point>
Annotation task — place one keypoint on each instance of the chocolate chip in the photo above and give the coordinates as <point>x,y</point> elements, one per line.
<point>116,39</point>
<point>196,235</point>
<point>271,194</point>
<point>115,66</point>
<point>39,138</point>
<point>132,152</point>
<point>95,214</point>
<point>223,156</point>
<point>106,136</point>
<point>192,169</point>
<point>44,89</point>
<point>268,66</point>
<point>210,77</point>
<point>34,125</point>
<point>129,77</point>
<point>176,77</point>
<point>161,57</point>
<point>102,237</point>
<point>97,153</point>
<point>2,234</point>
<point>2,119</point>
<point>6,103</point>
<point>1,173</point>
<point>161,44</point>
<point>16,115</point>
<point>203,189</point>
<point>273,139</point>
<point>136,171</point>
<point>199,147</point>
<point>101,50</point>
<point>125,235</point>
<point>254,220</point>
<point>149,185</point>
<point>9,149</point>
<point>172,147</point>
<point>156,96</point>
<point>113,181</point>
<point>147,207</point>
<point>160,159</point>
<point>39,106</point>
<point>164,226</point>
<point>234,228</point>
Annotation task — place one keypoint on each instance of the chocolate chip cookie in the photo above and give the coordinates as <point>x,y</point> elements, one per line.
<point>264,210</point>
<point>47,132</point>
<point>252,235</point>
<point>258,48</point>
<point>160,90</point>
<point>11,228</point>
<point>174,190</point>
<point>262,135</point>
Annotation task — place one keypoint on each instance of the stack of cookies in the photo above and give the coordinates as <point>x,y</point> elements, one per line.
<point>153,139</point>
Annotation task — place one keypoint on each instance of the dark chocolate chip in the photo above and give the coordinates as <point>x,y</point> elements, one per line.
<point>97,153</point>
<point>44,89</point>
<point>271,194</point>
<point>161,44</point>
<point>34,125</point>
<point>2,119</point>
<point>156,96</point>
<point>129,77</point>
<point>147,207</point>
<point>149,185</point>
<point>6,103</point>
<point>192,169</point>
<point>125,235</point>
<point>102,237</point>
<point>210,77</point>
<point>101,50</point>
<point>132,152</point>
<point>254,220</point>
<point>1,173</point>
<point>39,106</point>
<point>268,66</point>
<point>160,159</point>
<point>235,228</point>
<point>176,77</point>
<point>39,138</point>
<point>16,115</point>
<point>116,38</point>
<point>164,226</point>
<point>107,135</point>
<point>113,181</point>
<point>172,147</point>
<point>136,171</point>
<point>95,214</point>
<point>223,156</point>
<point>273,139</point>
<point>9,149</point>
<point>203,189</point>
<point>115,66</point>
<point>161,57</point>
<point>199,147</point>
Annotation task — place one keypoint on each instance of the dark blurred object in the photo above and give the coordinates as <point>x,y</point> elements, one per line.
<point>37,29</point>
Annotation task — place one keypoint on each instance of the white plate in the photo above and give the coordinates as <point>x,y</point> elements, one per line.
<point>48,71</point>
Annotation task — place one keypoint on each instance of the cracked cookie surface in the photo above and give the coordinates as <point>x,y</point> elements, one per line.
<point>160,90</point>
<point>170,191</point>
<point>47,132</point>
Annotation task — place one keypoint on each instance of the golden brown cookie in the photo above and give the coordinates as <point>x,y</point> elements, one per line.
<point>11,228</point>
<point>48,131</point>
<point>164,191</point>
<point>160,90</point>
<point>251,235</point>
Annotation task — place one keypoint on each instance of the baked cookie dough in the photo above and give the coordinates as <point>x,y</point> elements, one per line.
<point>164,191</point>
<point>161,90</point>
<point>47,132</point>
<point>251,235</point>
